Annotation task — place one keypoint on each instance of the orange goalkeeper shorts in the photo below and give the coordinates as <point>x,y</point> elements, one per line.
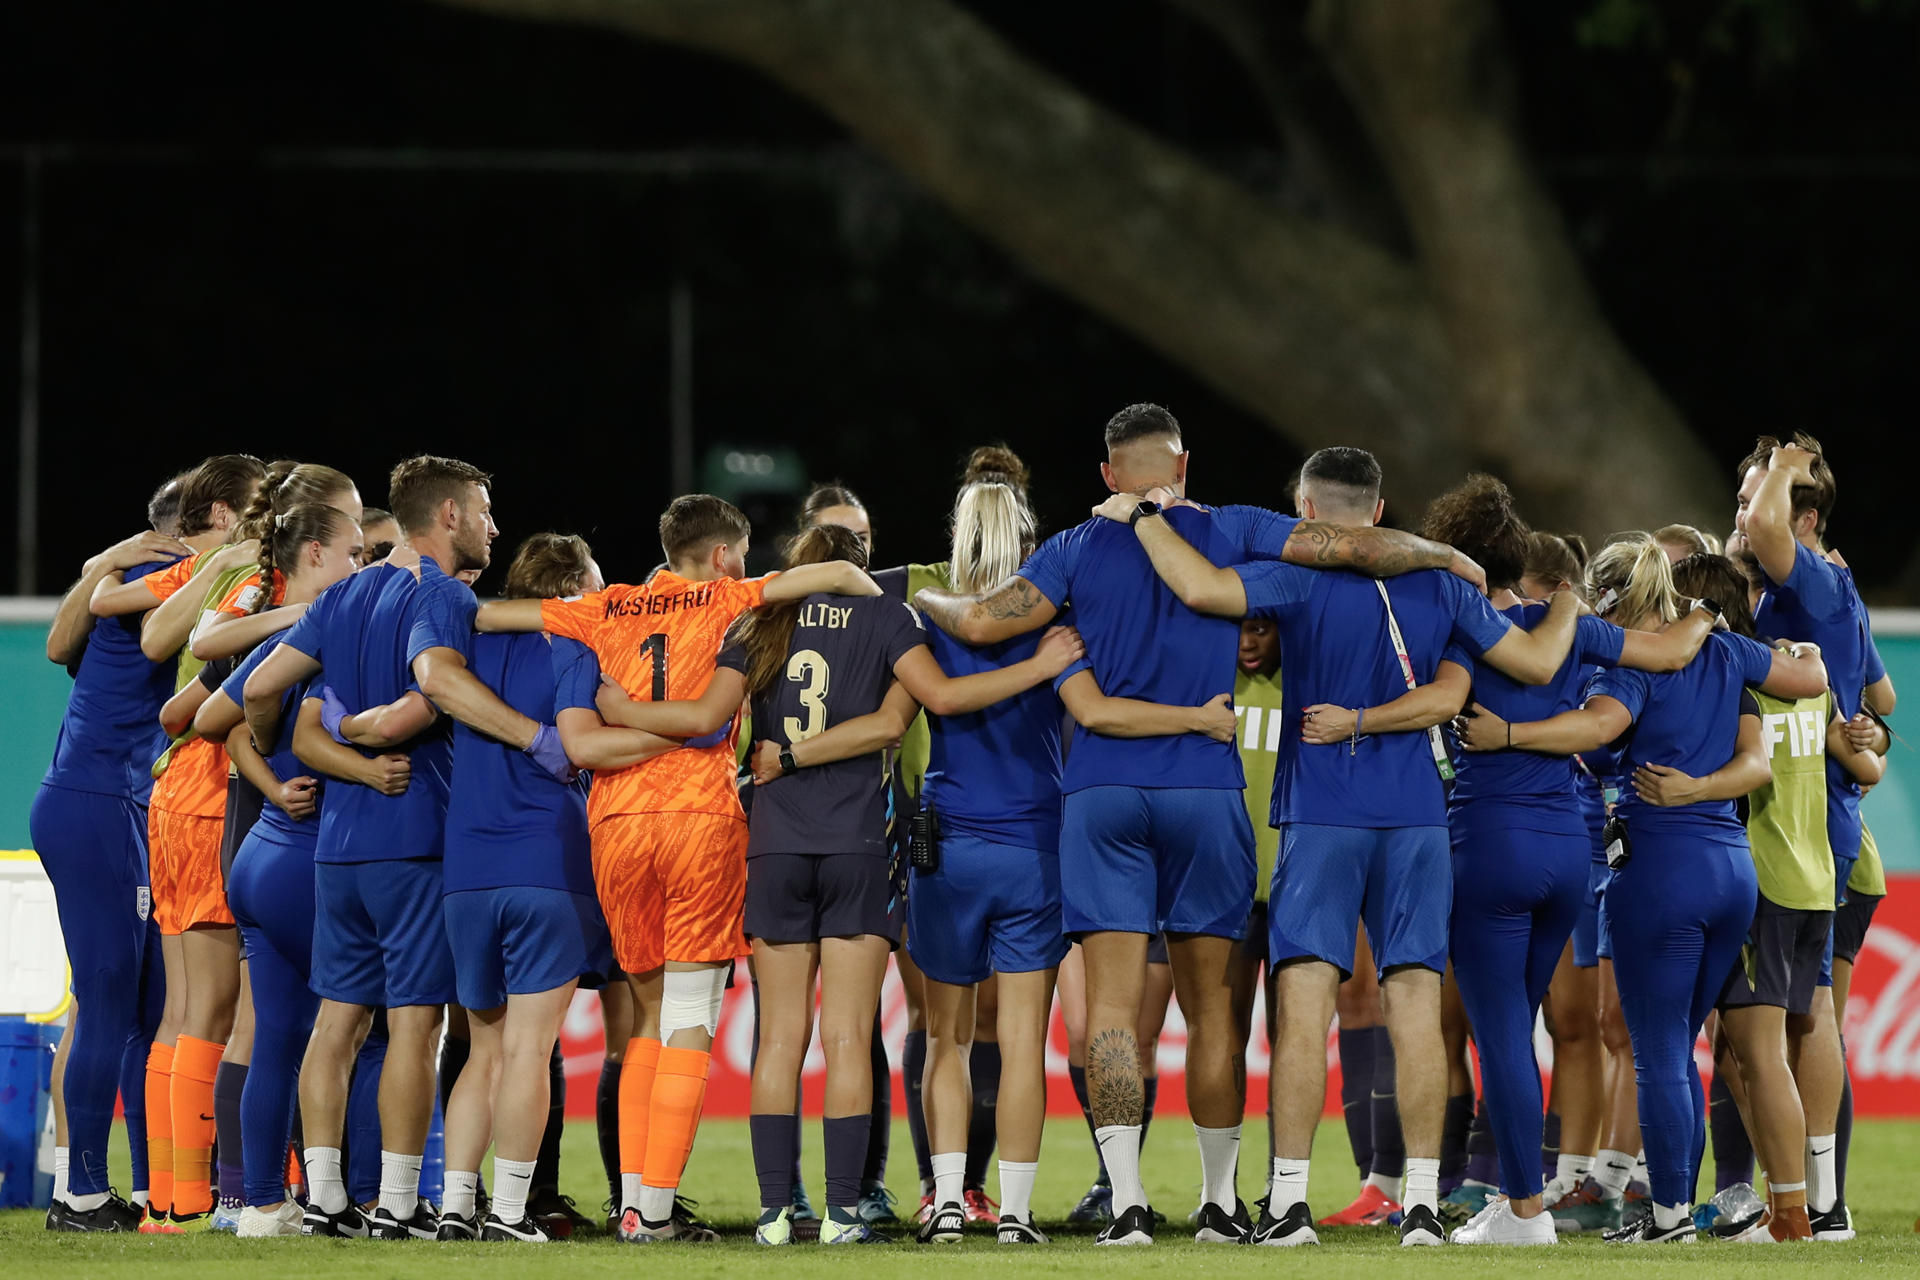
<point>183,857</point>
<point>673,886</point>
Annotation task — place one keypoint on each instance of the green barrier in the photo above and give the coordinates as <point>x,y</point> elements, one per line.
<point>37,694</point>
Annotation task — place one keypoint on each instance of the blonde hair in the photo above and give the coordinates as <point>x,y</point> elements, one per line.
<point>1635,567</point>
<point>993,525</point>
<point>1697,541</point>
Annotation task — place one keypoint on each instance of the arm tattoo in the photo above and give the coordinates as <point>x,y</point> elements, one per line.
<point>1114,1092</point>
<point>1017,599</point>
<point>1379,553</point>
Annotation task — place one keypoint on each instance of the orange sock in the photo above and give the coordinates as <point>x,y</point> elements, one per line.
<point>636,1100</point>
<point>679,1089</point>
<point>195,1063</point>
<point>159,1129</point>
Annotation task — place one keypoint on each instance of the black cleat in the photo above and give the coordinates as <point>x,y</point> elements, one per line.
<point>557,1215</point>
<point>114,1215</point>
<point>1633,1225</point>
<point>1012,1230</point>
<point>525,1231</point>
<point>453,1227</point>
<point>1135,1226</point>
<point>349,1223</point>
<point>1217,1226</point>
<point>422,1224</point>
<point>1292,1228</point>
<point>945,1225</point>
<point>1833,1226</point>
<point>1421,1226</point>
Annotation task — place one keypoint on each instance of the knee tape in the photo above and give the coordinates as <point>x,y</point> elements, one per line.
<point>691,999</point>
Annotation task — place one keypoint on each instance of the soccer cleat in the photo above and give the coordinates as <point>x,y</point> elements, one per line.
<point>775,1226</point>
<point>685,1219</point>
<point>1832,1227</point>
<point>1135,1226</point>
<point>1587,1208</point>
<point>1095,1206</point>
<point>1633,1222</point>
<point>1013,1231</point>
<point>1467,1199</point>
<point>263,1224</point>
<point>945,1225</point>
<point>635,1229</point>
<point>1421,1226</point>
<point>1500,1225</point>
<point>981,1207</point>
<point>876,1205</point>
<point>843,1226</point>
<point>349,1222</point>
<point>1370,1208</point>
<point>422,1224</point>
<point>1291,1228</point>
<point>158,1222</point>
<point>1645,1231</point>
<point>1217,1226</point>
<point>113,1215</point>
<point>455,1228</point>
<point>226,1214</point>
<point>803,1210</point>
<point>525,1231</point>
<point>557,1215</point>
<point>926,1207</point>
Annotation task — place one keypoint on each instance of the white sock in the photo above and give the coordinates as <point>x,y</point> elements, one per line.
<point>399,1184</point>
<point>1386,1186</point>
<point>139,1200</point>
<point>630,1190</point>
<point>1423,1183</point>
<point>456,1199</point>
<point>513,1179</point>
<point>949,1177</point>
<point>325,1187</point>
<point>1640,1173</point>
<point>1671,1215</point>
<point>1219,1158</point>
<point>1613,1170</point>
<point>1822,1187</point>
<point>60,1187</point>
<point>1571,1170</point>
<point>1288,1186</point>
<point>1016,1188</point>
<point>655,1203</point>
<point>1120,1148</point>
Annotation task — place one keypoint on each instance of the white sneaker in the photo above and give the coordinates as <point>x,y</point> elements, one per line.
<point>1500,1225</point>
<point>259,1224</point>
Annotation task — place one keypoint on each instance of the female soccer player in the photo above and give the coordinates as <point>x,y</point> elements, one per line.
<point>270,890</point>
<point>1674,950</point>
<point>820,889</point>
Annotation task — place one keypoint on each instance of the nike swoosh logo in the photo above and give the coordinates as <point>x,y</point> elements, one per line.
<point>205,1116</point>
<point>1817,1152</point>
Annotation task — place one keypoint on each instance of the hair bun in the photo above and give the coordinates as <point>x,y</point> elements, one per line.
<point>992,463</point>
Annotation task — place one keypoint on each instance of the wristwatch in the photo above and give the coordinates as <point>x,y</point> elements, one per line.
<point>1711,606</point>
<point>1142,511</point>
<point>788,765</point>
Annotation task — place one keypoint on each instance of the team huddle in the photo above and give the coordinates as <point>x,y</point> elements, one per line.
<point>332,841</point>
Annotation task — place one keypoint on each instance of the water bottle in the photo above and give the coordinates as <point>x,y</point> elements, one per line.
<point>433,1160</point>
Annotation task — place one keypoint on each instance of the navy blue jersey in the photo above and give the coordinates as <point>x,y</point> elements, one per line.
<point>1689,720</point>
<point>110,735</point>
<point>1333,631</point>
<point>365,633</point>
<point>1530,786</point>
<point>274,824</point>
<point>1819,602</point>
<point>995,773</point>
<point>510,823</point>
<point>839,667</point>
<point>1142,642</point>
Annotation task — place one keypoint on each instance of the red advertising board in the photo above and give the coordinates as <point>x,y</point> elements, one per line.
<point>1883,1036</point>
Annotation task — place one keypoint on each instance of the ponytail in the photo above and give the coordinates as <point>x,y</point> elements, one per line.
<point>767,632</point>
<point>288,485</point>
<point>1635,567</point>
<point>993,524</point>
<point>280,545</point>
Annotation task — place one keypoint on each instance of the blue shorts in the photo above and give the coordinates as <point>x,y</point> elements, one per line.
<point>378,936</point>
<point>1398,881</point>
<point>521,941</point>
<point>990,908</point>
<point>1147,859</point>
<point>1586,929</point>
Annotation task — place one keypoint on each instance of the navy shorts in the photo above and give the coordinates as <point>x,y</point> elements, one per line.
<point>1398,881</point>
<point>1780,964</point>
<point>1254,946</point>
<point>991,908</point>
<point>1850,924</point>
<point>1147,859</point>
<point>1586,927</point>
<point>804,897</point>
<point>521,940</point>
<point>378,935</point>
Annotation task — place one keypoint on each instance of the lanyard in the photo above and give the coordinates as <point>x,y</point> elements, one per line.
<point>1439,744</point>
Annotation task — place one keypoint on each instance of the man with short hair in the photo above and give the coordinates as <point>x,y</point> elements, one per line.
<point>1364,827</point>
<point>1154,835</point>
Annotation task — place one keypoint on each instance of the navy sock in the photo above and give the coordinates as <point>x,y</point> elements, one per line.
<point>1550,1147</point>
<point>606,1121</point>
<point>1356,1086</point>
<point>1483,1157</point>
<point>228,1082</point>
<point>1697,1092</point>
<point>1389,1146</point>
<point>1732,1151</point>
<point>546,1165</point>
<point>846,1150</point>
<point>1079,1077</point>
<point>776,1153</point>
<point>880,1137</point>
<point>1150,1092</point>
<point>1843,1131</point>
<point>984,1062</point>
<point>913,1064</point>
<point>1453,1137</point>
<point>453,1060</point>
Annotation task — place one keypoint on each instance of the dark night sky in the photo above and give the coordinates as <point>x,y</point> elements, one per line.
<point>206,285</point>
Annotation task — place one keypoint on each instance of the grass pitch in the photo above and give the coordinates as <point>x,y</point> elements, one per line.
<point>1883,1190</point>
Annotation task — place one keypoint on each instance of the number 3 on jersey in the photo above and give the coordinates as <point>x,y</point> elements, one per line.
<point>655,647</point>
<point>808,669</point>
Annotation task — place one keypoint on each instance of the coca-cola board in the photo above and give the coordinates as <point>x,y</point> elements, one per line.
<point>1883,1035</point>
